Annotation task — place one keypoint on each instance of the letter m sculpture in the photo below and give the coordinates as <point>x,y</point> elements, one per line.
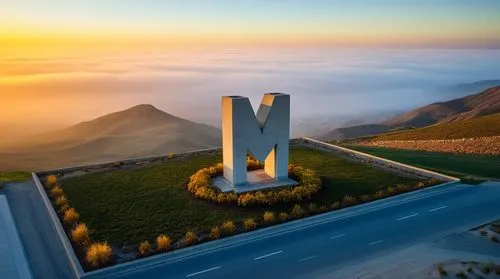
<point>266,135</point>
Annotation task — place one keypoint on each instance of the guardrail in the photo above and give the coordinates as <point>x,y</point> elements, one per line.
<point>394,164</point>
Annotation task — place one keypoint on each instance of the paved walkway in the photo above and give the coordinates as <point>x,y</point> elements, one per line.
<point>43,248</point>
<point>13,263</point>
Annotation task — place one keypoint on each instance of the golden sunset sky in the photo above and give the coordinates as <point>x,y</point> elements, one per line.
<point>59,58</point>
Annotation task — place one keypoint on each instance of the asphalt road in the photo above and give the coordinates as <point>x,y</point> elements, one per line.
<point>321,249</point>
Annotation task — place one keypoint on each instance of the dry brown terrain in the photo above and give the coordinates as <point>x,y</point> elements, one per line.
<point>482,146</point>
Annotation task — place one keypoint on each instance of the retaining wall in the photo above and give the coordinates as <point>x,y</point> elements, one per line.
<point>368,158</point>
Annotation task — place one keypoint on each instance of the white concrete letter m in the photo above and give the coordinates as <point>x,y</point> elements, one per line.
<point>266,135</point>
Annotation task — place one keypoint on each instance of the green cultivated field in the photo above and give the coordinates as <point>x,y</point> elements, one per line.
<point>129,206</point>
<point>14,176</point>
<point>454,164</point>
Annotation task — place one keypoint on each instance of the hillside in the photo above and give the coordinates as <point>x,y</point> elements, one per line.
<point>483,103</point>
<point>483,126</point>
<point>356,131</point>
<point>139,131</point>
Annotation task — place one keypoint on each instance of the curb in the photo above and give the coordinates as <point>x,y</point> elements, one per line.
<point>68,249</point>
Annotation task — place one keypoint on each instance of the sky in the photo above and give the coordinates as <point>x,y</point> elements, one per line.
<point>63,61</point>
<point>452,23</point>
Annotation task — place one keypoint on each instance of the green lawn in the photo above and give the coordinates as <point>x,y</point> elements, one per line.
<point>129,206</point>
<point>454,164</point>
<point>14,176</point>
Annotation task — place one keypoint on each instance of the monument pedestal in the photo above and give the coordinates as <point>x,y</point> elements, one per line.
<point>256,181</point>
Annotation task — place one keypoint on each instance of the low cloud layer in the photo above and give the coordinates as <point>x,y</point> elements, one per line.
<point>190,84</point>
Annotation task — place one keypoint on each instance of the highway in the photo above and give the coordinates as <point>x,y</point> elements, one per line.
<point>341,240</point>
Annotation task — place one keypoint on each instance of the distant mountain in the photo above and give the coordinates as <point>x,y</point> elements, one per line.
<point>139,131</point>
<point>464,89</point>
<point>484,103</point>
<point>482,126</point>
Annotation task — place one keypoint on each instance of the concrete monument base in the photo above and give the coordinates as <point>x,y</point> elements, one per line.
<point>256,180</point>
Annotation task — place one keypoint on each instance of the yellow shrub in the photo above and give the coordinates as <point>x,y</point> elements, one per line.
<point>80,234</point>
<point>249,224</point>
<point>163,242</point>
<point>283,216</point>
<point>98,254</point>
<point>269,217</point>
<point>145,248</point>
<point>63,208</point>
<point>70,216</point>
<point>215,233</point>
<point>228,227</point>
<point>56,192</point>
<point>313,207</point>
<point>297,211</point>
<point>61,201</point>
<point>335,205</point>
<point>349,200</point>
<point>200,186</point>
<point>51,181</point>
<point>190,238</point>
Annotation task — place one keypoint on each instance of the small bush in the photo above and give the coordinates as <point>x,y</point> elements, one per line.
<point>269,217</point>
<point>163,242</point>
<point>80,235</point>
<point>61,201</point>
<point>283,216</point>
<point>51,181</point>
<point>461,274</point>
<point>483,232</point>
<point>170,156</point>
<point>441,270</point>
<point>309,184</point>
<point>297,211</point>
<point>486,269</point>
<point>145,248</point>
<point>190,238</point>
<point>98,254</point>
<point>348,201</point>
<point>56,192</point>
<point>228,227</point>
<point>313,208</point>
<point>469,269</point>
<point>63,208</point>
<point>249,224</point>
<point>335,205</point>
<point>323,208</point>
<point>497,269</point>
<point>215,233</point>
<point>494,238</point>
<point>71,216</point>
<point>365,198</point>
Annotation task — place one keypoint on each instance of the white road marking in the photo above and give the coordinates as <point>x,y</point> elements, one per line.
<point>375,242</point>
<point>438,208</point>
<point>337,236</point>
<point>203,271</point>
<point>268,255</point>
<point>307,258</point>
<point>406,217</point>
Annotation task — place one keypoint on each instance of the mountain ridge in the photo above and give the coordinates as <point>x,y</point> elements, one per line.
<point>141,130</point>
<point>479,104</point>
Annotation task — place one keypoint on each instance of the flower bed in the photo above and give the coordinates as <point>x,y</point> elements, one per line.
<point>200,185</point>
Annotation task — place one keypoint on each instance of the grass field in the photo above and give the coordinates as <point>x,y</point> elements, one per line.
<point>455,164</point>
<point>126,207</point>
<point>15,176</point>
<point>485,126</point>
